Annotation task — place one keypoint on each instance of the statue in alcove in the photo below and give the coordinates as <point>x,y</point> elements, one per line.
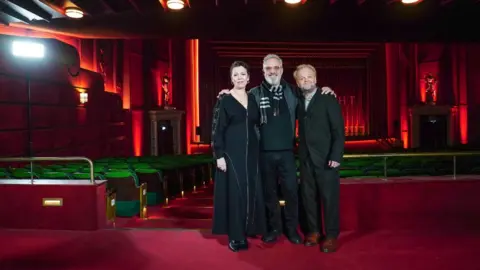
<point>430,89</point>
<point>166,93</point>
<point>101,66</point>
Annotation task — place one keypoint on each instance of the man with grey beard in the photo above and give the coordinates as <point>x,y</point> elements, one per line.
<point>321,147</point>
<point>278,102</point>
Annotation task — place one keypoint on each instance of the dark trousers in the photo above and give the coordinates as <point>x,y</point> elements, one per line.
<point>318,179</point>
<point>279,166</point>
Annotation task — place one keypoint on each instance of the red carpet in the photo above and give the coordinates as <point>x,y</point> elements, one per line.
<point>173,249</point>
<point>403,203</point>
<point>405,223</point>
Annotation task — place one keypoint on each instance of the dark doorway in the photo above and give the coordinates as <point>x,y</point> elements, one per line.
<point>165,138</point>
<point>433,132</point>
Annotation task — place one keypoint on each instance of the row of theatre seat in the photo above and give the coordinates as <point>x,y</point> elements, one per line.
<point>138,182</point>
<point>409,166</point>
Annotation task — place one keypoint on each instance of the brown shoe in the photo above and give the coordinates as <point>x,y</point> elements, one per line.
<point>330,245</point>
<point>312,239</point>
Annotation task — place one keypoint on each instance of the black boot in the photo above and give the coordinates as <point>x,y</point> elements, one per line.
<point>294,237</point>
<point>236,245</point>
<point>271,237</point>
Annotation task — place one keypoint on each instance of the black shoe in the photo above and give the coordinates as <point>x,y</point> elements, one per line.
<point>271,237</point>
<point>235,245</point>
<point>294,237</point>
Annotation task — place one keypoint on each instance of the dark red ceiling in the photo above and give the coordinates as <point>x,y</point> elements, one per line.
<point>316,20</point>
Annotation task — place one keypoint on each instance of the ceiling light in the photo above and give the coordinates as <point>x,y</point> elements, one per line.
<point>293,1</point>
<point>410,1</point>
<point>175,4</point>
<point>74,13</point>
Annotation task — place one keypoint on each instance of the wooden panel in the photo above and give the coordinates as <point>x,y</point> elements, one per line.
<point>13,116</point>
<point>13,143</point>
<point>13,89</point>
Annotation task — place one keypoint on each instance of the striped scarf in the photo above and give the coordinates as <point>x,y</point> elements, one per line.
<point>265,100</point>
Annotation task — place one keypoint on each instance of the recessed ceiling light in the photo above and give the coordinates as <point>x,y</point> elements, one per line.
<point>73,12</point>
<point>175,4</point>
<point>410,1</point>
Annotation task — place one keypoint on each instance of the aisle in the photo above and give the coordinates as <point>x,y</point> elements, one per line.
<point>194,211</point>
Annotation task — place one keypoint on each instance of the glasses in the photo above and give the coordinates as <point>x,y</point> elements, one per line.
<point>275,68</point>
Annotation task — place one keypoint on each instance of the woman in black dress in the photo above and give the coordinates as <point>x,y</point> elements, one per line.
<point>239,208</point>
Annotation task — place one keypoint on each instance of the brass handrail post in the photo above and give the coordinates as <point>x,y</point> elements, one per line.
<point>31,172</point>
<point>385,168</point>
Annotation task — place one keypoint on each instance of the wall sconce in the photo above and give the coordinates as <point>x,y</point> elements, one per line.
<point>83,98</point>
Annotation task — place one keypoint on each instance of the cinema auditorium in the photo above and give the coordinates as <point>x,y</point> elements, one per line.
<point>106,127</point>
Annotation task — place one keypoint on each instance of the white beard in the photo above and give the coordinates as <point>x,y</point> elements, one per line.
<point>273,80</point>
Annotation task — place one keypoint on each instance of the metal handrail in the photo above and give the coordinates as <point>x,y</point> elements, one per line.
<point>425,154</point>
<point>32,159</point>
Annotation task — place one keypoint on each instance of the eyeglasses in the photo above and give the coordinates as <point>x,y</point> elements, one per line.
<point>275,68</point>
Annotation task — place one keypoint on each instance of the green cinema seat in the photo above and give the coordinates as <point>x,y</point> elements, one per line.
<point>55,175</point>
<point>22,173</point>
<point>131,196</point>
<point>154,181</point>
<point>351,173</point>
<point>118,166</point>
<point>67,170</point>
<point>86,176</point>
<point>53,167</point>
<point>96,169</point>
<point>141,166</point>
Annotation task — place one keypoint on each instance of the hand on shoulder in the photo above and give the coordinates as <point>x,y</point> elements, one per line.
<point>328,91</point>
<point>223,92</point>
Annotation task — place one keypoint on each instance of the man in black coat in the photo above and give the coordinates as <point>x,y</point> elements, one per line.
<point>321,147</point>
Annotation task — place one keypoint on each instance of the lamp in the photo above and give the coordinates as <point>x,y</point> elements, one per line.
<point>32,51</point>
<point>408,2</point>
<point>175,4</point>
<point>83,97</point>
<point>27,49</point>
<point>292,2</point>
<point>74,13</point>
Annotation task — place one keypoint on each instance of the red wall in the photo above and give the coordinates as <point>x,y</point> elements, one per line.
<point>61,126</point>
<point>473,92</point>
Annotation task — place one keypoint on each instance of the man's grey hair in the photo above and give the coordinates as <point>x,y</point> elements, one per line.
<point>270,56</point>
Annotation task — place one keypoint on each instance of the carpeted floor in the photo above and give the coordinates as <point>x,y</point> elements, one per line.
<point>190,249</point>
<point>194,211</point>
<point>403,224</point>
<point>403,203</point>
